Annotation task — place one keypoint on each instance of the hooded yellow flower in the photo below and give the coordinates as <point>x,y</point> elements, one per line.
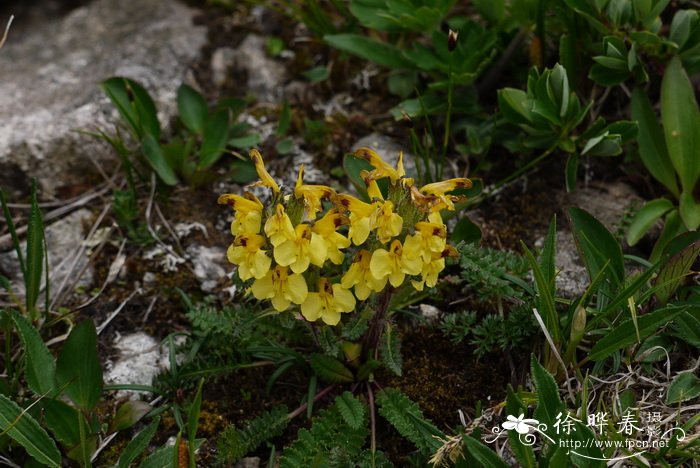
<point>328,303</point>
<point>280,286</point>
<point>326,229</point>
<point>359,275</point>
<point>360,217</point>
<point>248,213</point>
<point>429,239</point>
<point>307,247</point>
<point>394,264</point>
<point>266,179</point>
<point>381,168</point>
<point>246,252</point>
<point>312,194</point>
<point>387,223</point>
<point>439,190</point>
<point>279,228</point>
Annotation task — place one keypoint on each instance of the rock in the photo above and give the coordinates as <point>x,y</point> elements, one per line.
<point>207,263</point>
<point>222,59</point>
<point>50,76</point>
<point>139,362</point>
<point>572,276</point>
<point>248,462</point>
<point>609,203</point>
<point>265,75</point>
<point>64,239</point>
<point>429,312</point>
<point>388,150</point>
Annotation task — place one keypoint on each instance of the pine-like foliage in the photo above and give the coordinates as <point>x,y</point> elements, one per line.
<point>235,443</point>
<point>486,271</point>
<point>408,419</point>
<point>330,442</point>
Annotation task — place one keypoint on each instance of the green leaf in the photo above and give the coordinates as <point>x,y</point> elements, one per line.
<point>466,231</point>
<point>597,245</point>
<point>646,217</point>
<point>138,444</point>
<point>549,405</point>
<point>486,457</point>
<point>625,334</point>
<point>128,414</point>
<point>687,327</point>
<point>545,298</point>
<point>353,167</point>
<point>157,160</point>
<point>13,234</point>
<point>78,367</point>
<point>352,410</point>
<point>571,171</point>
<point>369,49</point>
<point>134,105</point>
<point>285,119</point>
<point>62,420</point>
<point>35,255</point>
<point>214,139</point>
<point>515,106</point>
<point>390,351</point>
<point>491,10</point>
<point>330,369</point>
<point>24,430</point>
<point>317,74</point>
<point>192,107</point>
<point>675,269</point>
<point>652,145</point>
<point>39,367</point>
<point>285,146</point>
<point>245,141</point>
<point>690,210</point>
<point>685,386</point>
<point>681,120</point>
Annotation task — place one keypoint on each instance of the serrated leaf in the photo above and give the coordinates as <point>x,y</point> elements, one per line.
<point>390,351</point>
<point>78,369</point>
<point>24,430</point>
<point>138,444</point>
<point>40,367</point>
<point>645,218</point>
<point>685,386</point>
<point>625,334</point>
<point>681,122</point>
<point>549,405</point>
<point>408,419</point>
<point>352,410</point>
<point>330,369</point>
<point>192,107</point>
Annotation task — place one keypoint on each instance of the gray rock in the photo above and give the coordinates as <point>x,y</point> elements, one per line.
<point>140,360</point>
<point>429,312</point>
<point>50,81</point>
<point>222,59</point>
<point>572,276</point>
<point>265,75</point>
<point>388,150</point>
<point>609,203</point>
<point>207,263</point>
<point>64,239</point>
<point>248,462</point>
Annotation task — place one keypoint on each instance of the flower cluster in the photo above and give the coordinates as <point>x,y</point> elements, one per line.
<point>293,250</point>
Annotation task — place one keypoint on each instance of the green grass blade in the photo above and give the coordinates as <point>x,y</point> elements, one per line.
<point>34,255</point>
<point>13,232</point>
<point>24,430</point>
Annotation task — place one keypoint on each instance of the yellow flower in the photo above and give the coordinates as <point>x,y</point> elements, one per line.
<point>429,273</point>
<point>246,252</point>
<point>281,287</point>
<point>387,223</point>
<point>439,189</point>
<point>279,228</point>
<point>429,239</point>
<point>359,275</point>
<point>394,264</point>
<point>266,179</point>
<point>312,194</point>
<point>327,303</point>
<point>381,168</point>
<point>307,247</point>
<point>326,229</point>
<point>248,213</point>
<point>360,217</point>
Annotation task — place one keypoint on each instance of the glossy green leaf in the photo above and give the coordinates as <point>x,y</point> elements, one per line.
<point>681,121</point>
<point>157,160</point>
<point>515,105</point>
<point>625,334</point>
<point>39,367</point>
<point>689,210</point>
<point>24,430</point>
<point>138,445</point>
<point>78,369</point>
<point>214,139</point>
<point>685,386</point>
<point>369,49</point>
<point>646,217</point>
<point>192,107</point>
<point>330,369</point>
<point>134,105</point>
<point>34,255</point>
<point>652,144</point>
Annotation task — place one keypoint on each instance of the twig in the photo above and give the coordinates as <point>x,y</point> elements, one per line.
<point>7,30</point>
<point>555,351</point>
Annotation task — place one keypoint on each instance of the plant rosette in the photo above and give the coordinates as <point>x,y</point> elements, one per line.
<point>323,251</point>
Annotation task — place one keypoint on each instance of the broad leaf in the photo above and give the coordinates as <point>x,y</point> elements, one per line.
<point>78,368</point>
<point>673,272</point>
<point>62,420</point>
<point>685,386</point>
<point>40,367</point>
<point>369,49</point>
<point>192,108</point>
<point>214,140</point>
<point>486,457</point>
<point>157,160</point>
<point>645,218</point>
<point>330,369</point>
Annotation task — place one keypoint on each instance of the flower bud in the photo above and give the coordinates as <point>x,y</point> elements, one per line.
<point>452,37</point>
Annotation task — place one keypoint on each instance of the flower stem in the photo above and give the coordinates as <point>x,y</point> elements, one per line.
<point>376,326</point>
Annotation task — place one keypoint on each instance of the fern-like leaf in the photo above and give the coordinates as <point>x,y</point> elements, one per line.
<point>390,351</point>
<point>352,410</point>
<point>235,443</point>
<point>408,419</point>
